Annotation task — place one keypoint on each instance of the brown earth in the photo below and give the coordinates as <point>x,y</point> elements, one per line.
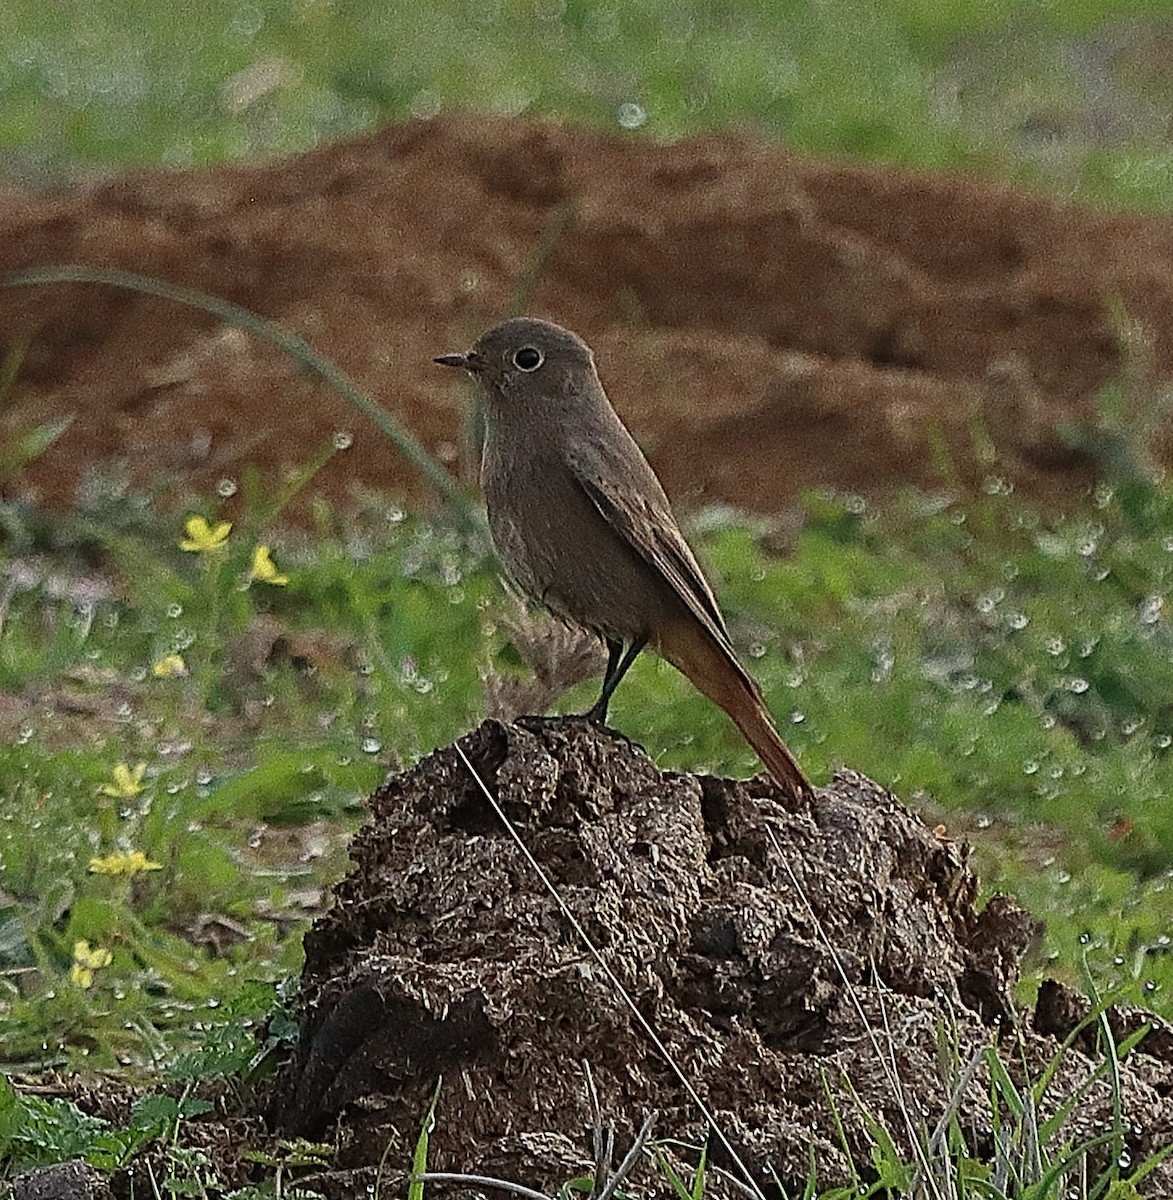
<point>778,951</point>
<point>765,322</point>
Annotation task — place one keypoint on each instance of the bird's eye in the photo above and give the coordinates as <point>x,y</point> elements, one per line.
<point>528,358</point>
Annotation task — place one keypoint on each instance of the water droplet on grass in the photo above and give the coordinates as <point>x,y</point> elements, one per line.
<point>425,104</point>
<point>1151,610</point>
<point>246,22</point>
<point>988,601</point>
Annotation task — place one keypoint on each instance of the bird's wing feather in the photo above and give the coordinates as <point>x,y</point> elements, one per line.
<point>642,517</point>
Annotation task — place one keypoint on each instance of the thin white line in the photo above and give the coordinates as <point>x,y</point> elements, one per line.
<point>583,936</point>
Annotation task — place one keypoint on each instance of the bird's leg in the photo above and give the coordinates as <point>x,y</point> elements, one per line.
<point>597,713</point>
<point>618,664</point>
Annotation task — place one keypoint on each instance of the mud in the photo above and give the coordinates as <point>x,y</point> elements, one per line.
<point>765,322</point>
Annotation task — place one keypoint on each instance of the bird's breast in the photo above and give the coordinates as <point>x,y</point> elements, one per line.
<point>561,552</point>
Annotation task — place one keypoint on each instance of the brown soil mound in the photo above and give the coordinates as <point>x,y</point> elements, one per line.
<point>444,955</point>
<point>765,322</point>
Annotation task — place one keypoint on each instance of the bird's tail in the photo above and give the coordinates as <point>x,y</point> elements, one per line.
<point>714,670</point>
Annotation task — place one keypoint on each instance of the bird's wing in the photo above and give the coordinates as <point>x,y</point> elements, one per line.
<point>642,517</point>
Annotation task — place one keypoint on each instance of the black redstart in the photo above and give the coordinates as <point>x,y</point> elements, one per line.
<point>583,526</point>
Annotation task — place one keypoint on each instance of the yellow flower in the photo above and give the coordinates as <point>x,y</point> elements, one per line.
<point>202,536</point>
<point>170,666</point>
<point>86,960</point>
<point>127,783</point>
<point>264,570</point>
<point>123,863</point>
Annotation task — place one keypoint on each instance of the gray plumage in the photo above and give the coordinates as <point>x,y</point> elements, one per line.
<point>583,526</point>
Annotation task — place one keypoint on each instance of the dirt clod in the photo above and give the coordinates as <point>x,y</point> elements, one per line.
<point>72,1180</point>
<point>781,953</point>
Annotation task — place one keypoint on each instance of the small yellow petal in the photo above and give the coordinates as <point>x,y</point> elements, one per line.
<point>127,783</point>
<point>93,957</point>
<point>203,536</point>
<point>264,570</point>
<point>170,666</point>
<point>122,863</point>
<point>86,960</point>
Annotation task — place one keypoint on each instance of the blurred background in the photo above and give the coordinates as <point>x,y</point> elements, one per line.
<point>1073,96</point>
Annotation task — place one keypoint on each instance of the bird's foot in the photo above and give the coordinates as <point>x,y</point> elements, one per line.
<point>601,724</point>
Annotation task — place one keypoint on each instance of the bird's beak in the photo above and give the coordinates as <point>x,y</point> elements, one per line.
<point>468,361</point>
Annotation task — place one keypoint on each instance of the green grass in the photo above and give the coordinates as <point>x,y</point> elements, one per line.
<point>1010,674</point>
<point>1070,96</point>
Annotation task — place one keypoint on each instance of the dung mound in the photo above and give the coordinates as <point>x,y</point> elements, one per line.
<point>781,953</point>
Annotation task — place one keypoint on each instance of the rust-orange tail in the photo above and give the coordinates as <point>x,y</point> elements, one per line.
<point>714,670</point>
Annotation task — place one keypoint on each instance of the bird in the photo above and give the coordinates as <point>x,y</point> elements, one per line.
<point>582,525</point>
